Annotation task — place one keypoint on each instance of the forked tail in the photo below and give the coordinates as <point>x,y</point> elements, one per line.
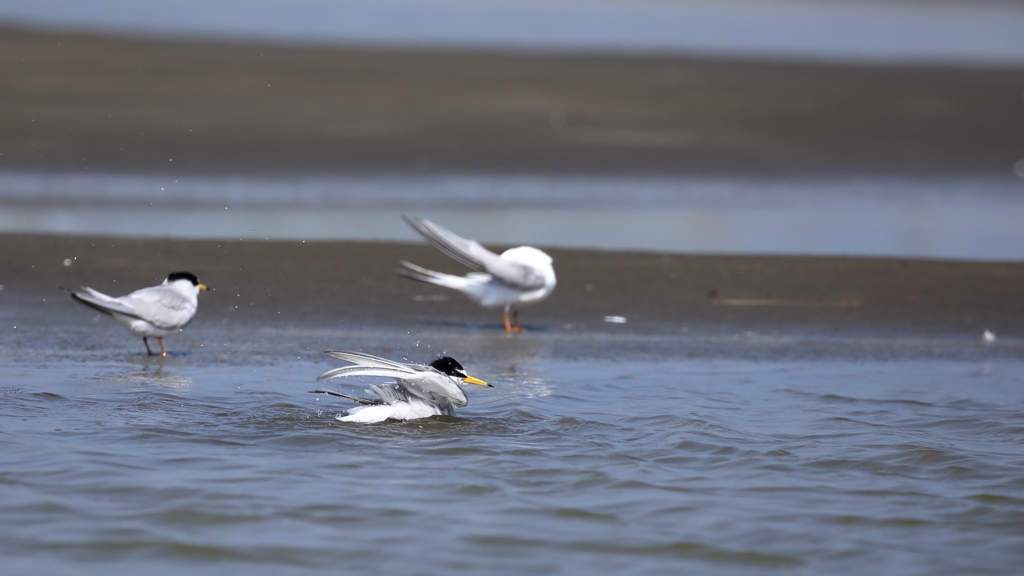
<point>364,401</point>
<point>420,274</point>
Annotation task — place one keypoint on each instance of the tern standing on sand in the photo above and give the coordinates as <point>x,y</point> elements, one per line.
<point>518,276</point>
<point>154,311</point>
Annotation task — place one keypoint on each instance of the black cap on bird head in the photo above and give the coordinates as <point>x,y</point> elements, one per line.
<point>448,365</point>
<point>183,276</point>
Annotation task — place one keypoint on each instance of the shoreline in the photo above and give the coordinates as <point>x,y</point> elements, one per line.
<point>314,285</point>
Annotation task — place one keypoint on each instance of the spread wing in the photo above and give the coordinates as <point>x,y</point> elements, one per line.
<point>472,254</point>
<point>368,365</point>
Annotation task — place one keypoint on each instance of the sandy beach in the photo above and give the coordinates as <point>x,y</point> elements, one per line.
<point>332,284</point>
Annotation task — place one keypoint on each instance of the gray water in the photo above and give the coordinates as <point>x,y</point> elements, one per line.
<point>970,217</point>
<point>704,454</point>
<point>973,32</point>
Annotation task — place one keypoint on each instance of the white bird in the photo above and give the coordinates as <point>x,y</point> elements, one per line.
<point>518,276</point>
<point>154,311</point>
<point>417,391</point>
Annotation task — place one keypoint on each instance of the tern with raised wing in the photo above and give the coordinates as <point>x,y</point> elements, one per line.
<point>416,390</point>
<point>521,275</point>
<point>154,311</point>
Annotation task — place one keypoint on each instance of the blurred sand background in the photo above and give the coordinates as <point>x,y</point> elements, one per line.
<point>72,101</point>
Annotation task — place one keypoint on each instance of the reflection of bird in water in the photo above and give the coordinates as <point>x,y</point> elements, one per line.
<point>417,391</point>
<point>156,375</point>
<point>518,276</point>
<point>154,311</point>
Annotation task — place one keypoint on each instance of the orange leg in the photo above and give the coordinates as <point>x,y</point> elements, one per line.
<point>160,341</point>
<point>513,326</point>
<point>145,341</point>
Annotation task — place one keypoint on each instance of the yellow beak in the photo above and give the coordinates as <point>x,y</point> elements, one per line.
<point>203,287</point>
<point>471,380</point>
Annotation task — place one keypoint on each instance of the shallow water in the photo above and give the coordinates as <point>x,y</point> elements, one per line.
<point>969,217</point>
<point>947,31</point>
<point>219,460</point>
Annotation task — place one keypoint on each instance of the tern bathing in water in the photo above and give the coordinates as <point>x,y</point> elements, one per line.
<point>518,276</point>
<point>154,311</point>
<point>417,391</point>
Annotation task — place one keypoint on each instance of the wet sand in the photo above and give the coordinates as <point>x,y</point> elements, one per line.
<point>87,102</point>
<point>323,285</point>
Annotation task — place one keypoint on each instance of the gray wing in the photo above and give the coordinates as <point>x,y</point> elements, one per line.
<point>368,365</point>
<point>472,254</point>
<point>369,360</point>
<point>161,306</point>
<point>101,302</point>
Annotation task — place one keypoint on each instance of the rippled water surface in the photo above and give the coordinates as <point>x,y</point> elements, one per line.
<point>218,460</point>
